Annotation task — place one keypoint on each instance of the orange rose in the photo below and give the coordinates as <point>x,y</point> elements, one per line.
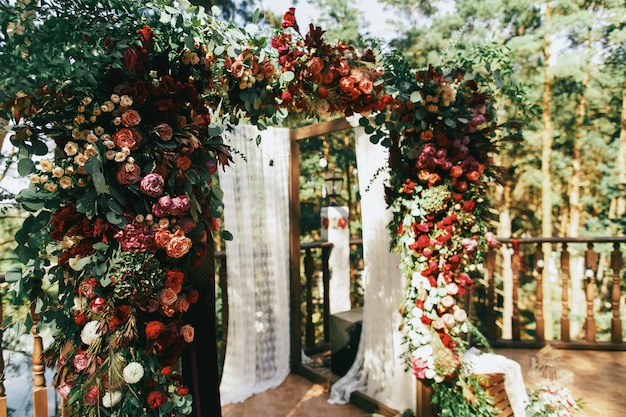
<point>131,118</point>
<point>182,304</point>
<point>168,296</point>
<point>187,332</point>
<point>178,245</point>
<point>162,238</point>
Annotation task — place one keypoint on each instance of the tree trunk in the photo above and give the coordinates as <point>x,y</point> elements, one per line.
<point>574,183</point>
<point>546,151</point>
<point>621,160</point>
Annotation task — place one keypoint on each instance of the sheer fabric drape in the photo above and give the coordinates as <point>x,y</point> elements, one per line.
<point>257,214</point>
<point>378,370</point>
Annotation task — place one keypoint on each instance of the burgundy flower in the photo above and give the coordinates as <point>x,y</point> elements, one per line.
<point>128,174</point>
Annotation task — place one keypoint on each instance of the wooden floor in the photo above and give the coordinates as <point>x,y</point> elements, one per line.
<point>599,379</point>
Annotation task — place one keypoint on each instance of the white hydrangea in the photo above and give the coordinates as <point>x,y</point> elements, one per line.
<point>111,398</point>
<point>133,372</point>
<point>90,334</point>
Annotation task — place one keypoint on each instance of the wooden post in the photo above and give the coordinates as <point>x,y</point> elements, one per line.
<point>565,337</point>
<point>40,392</point>
<point>308,272</point>
<point>200,370</point>
<point>540,331</point>
<point>223,277</point>
<point>516,265</point>
<point>294,254</point>
<point>424,399</point>
<point>617,263</point>
<point>326,250</point>
<point>492,328</point>
<point>591,268</point>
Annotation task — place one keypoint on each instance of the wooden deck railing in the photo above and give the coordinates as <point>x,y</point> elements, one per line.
<point>599,298</point>
<point>582,282</point>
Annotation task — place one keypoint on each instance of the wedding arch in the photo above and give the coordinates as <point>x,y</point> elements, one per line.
<point>137,99</point>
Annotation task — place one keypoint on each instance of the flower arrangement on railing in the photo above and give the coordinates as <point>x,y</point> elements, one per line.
<point>552,402</point>
<point>124,211</point>
<point>441,131</point>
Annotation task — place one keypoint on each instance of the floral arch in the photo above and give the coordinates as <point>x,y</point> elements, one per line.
<point>123,215</point>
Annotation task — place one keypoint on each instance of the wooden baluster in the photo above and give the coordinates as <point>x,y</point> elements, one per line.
<point>617,263</point>
<point>516,265</point>
<point>326,250</point>
<point>308,272</point>
<point>3,398</point>
<point>40,392</point>
<point>492,328</point>
<point>540,331</point>
<point>565,294</point>
<point>591,268</point>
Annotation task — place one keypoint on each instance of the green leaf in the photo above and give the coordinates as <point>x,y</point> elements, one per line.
<point>82,263</point>
<point>287,76</point>
<point>101,246</point>
<point>416,97</point>
<point>25,167</point>
<point>215,129</point>
<point>114,218</point>
<point>99,182</point>
<point>226,235</point>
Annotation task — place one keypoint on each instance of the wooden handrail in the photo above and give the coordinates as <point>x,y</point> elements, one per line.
<point>587,292</point>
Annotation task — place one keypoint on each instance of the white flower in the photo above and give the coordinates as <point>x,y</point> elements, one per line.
<point>111,398</point>
<point>90,334</point>
<point>133,372</point>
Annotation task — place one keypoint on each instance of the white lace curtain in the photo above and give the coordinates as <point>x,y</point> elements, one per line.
<point>256,199</point>
<point>378,370</point>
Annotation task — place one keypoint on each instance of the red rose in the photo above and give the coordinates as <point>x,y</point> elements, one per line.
<point>182,391</point>
<point>286,97</point>
<point>473,176</point>
<point>155,399</point>
<point>456,171</point>
<point>127,138</point>
<point>154,330</point>
<point>174,279</point>
<point>92,396</point>
<point>469,205</point>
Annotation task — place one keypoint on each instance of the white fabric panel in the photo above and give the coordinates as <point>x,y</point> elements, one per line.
<point>491,363</point>
<point>378,370</point>
<point>256,199</point>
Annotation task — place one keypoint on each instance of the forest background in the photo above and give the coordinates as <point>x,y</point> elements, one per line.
<point>568,175</point>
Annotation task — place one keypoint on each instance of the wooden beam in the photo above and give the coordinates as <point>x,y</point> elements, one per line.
<point>320,129</point>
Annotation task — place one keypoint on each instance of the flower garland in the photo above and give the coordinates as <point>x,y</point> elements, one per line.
<point>441,131</point>
<point>125,210</point>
